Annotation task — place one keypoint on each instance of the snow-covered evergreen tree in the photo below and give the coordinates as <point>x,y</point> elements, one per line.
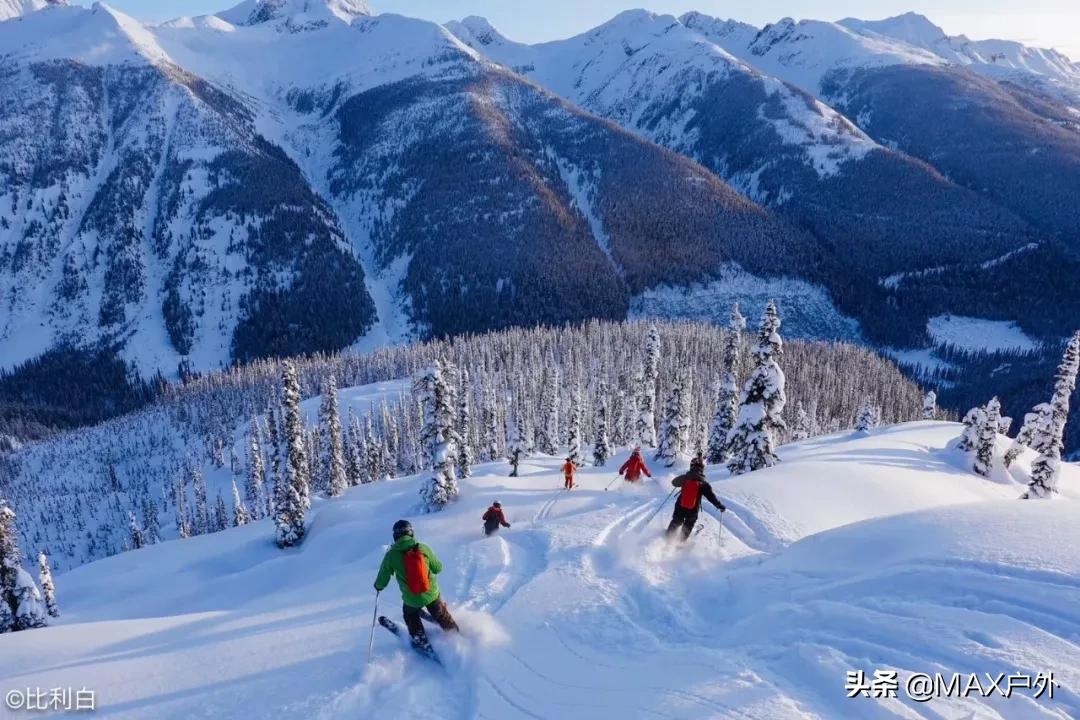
<point>573,429</point>
<point>255,487</point>
<point>438,437</point>
<point>150,520</point>
<point>203,523</point>
<point>929,406</point>
<point>650,372</point>
<point>464,427</point>
<point>757,430</point>
<point>515,450</point>
<point>803,426</point>
<point>990,421</point>
<point>240,513</point>
<point>183,525</point>
<point>137,537</point>
<point>601,447</point>
<point>221,514</point>
<point>490,431</point>
<point>23,606</point>
<point>727,394</point>
<point>333,442</point>
<point>674,429</point>
<point>972,422</point>
<point>276,479</point>
<point>547,430</point>
<point>48,587</point>
<point>1039,416</point>
<point>289,513</point>
<point>1047,467</point>
<point>373,452</point>
<point>866,419</point>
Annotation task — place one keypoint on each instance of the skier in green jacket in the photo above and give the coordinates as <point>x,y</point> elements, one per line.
<point>416,568</point>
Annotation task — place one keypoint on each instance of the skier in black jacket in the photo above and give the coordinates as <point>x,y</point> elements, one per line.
<point>688,504</point>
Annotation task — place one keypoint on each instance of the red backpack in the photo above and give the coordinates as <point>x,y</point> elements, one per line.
<point>416,571</point>
<point>688,498</point>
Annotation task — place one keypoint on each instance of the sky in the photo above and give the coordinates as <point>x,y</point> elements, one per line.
<point>1044,23</point>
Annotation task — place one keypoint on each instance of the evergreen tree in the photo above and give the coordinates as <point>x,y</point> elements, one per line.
<point>48,588</point>
<point>803,427</point>
<point>674,429</point>
<point>354,449</point>
<point>434,389</point>
<point>866,419</point>
<point>240,513</point>
<point>988,432</point>
<point>727,394</point>
<point>1047,467</point>
<point>514,447</point>
<point>929,406</point>
<point>137,536</point>
<point>972,422</point>
<point>753,440</point>
<point>289,513</point>
<point>255,488</point>
<point>183,526</point>
<point>23,607</point>
<point>601,450</point>
<point>1032,420</point>
<point>573,429</point>
<point>150,520</point>
<point>464,425</point>
<point>374,458</point>
<point>334,445</point>
<point>202,504</point>
<point>221,514</point>
<point>490,440</point>
<point>547,430</point>
<point>650,372</point>
<point>277,467</point>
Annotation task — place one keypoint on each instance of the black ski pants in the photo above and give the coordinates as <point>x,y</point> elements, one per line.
<point>438,611</point>
<point>684,519</point>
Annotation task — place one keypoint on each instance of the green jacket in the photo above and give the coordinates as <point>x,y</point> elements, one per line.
<point>393,563</point>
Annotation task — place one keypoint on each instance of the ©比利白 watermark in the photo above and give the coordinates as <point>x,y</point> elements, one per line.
<point>58,699</point>
<point>923,687</point>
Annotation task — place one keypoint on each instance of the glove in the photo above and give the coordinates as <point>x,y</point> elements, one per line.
<point>506,525</point>
<point>723,508</point>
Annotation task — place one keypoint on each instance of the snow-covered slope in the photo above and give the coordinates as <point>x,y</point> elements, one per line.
<point>17,8</point>
<point>857,553</point>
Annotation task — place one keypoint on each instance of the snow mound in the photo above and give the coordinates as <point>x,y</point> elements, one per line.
<point>858,552</point>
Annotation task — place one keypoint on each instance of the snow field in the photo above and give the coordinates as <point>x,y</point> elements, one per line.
<point>857,552</point>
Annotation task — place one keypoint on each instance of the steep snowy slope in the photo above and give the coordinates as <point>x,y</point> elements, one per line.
<point>988,136</point>
<point>17,8</point>
<point>857,553</point>
<point>876,210</point>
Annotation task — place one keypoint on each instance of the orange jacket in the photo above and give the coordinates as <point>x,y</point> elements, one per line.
<point>633,468</point>
<point>568,469</point>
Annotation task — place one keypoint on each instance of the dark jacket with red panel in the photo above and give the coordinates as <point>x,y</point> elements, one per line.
<point>493,518</point>
<point>694,487</point>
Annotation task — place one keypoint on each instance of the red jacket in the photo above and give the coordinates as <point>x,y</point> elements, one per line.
<point>633,468</point>
<point>568,469</point>
<point>494,516</point>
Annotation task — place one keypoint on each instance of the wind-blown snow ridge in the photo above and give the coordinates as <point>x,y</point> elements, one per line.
<point>856,553</point>
<point>96,36</point>
<point>297,13</point>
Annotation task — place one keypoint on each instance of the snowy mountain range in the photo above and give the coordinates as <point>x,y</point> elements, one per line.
<point>292,176</point>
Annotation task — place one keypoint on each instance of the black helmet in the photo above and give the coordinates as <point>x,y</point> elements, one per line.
<point>402,527</point>
<point>496,504</point>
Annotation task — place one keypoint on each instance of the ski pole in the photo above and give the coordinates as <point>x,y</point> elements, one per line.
<point>374,616</point>
<point>657,511</point>
<point>720,529</point>
<point>612,482</point>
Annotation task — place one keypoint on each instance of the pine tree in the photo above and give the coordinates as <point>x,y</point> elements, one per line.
<point>183,526</point>
<point>289,513</point>
<point>334,446</point>
<point>573,429</point>
<point>866,419</point>
<point>1047,467</point>
<point>464,425</point>
<point>202,505</point>
<point>514,446</point>
<point>490,439</point>
<point>972,422</point>
<point>221,514</point>
<point>803,427</point>
<point>929,406</point>
<point>48,588</point>
<point>674,429</point>
<point>150,520</point>
<point>137,537</point>
<point>240,513</point>
<point>434,388</point>
<point>987,441</point>
<point>547,430</point>
<point>23,607</point>
<point>277,467</point>
<point>255,488</point>
<point>646,382</point>
<point>601,449</point>
<point>1032,421</point>
<point>727,394</point>
<point>373,454</point>
<point>753,440</point>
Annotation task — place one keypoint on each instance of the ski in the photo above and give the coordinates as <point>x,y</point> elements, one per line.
<point>424,651</point>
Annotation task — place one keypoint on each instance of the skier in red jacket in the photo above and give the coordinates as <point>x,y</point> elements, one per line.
<point>688,505</point>
<point>568,469</point>
<point>633,467</point>
<point>493,518</point>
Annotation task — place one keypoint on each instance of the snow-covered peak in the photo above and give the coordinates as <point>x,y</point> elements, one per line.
<point>910,27</point>
<point>99,35</point>
<point>734,32</point>
<point>17,8</point>
<point>298,13</point>
<point>476,31</point>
